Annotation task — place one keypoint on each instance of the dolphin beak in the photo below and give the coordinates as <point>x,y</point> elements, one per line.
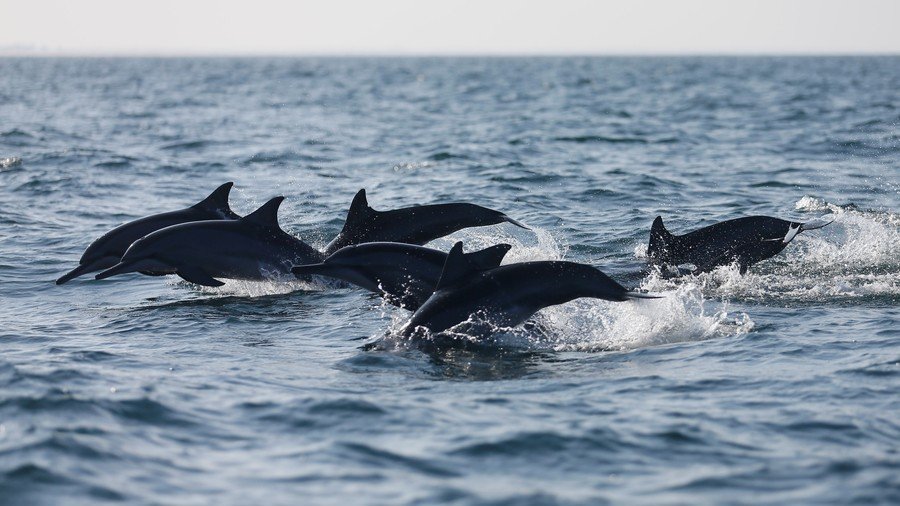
<point>74,273</point>
<point>119,268</point>
<point>96,265</point>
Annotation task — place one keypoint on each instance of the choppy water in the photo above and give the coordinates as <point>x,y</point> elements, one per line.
<point>776,387</point>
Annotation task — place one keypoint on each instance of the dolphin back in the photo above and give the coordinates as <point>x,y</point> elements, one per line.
<point>412,225</point>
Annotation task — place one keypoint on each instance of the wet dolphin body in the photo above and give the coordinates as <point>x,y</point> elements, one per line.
<point>404,274</point>
<point>411,225</point>
<point>743,240</point>
<point>251,248</point>
<point>510,294</point>
<point>108,249</point>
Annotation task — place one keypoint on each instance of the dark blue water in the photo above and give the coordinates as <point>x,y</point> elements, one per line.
<point>776,387</point>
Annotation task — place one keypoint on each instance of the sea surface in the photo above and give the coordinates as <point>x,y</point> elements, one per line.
<point>778,387</point>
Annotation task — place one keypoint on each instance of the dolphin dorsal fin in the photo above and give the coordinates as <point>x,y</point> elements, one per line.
<point>660,239</point>
<point>266,215</point>
<point>217,200</point>
<point>659,229</point>
<point>488,258</point>
<point>359,210</point>
<point>456,268</point>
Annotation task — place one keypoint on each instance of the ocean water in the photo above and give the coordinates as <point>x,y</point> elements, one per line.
<point>778,387</point>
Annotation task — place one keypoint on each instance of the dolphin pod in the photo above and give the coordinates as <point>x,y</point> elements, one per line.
<point>109,248</point>
<point>744,241</point>
<point>253,247</point>
<point>413,225</point>
<point>381,251</point>
<point>404,274</point>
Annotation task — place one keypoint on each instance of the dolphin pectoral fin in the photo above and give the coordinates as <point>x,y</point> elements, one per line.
<point>96,265</point>
<point>197,276</point>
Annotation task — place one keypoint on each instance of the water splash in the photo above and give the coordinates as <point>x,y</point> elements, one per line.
<point>857,256</point>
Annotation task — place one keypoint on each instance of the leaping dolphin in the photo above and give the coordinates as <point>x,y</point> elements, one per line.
<point>743,240</point>
<point>404,274</point>
<point>510,294</point>
<point>411,225</point>
<point>251,248</point>
<point>109,248</point>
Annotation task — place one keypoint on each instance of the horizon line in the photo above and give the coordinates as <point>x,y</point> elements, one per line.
<point>42,53</point>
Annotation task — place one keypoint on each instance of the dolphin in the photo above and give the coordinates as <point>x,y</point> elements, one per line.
<point>743,240</point>
<point>510,294</point>
<point>411,225</point>
<point>252,248</point>
<point>404,274</point>
<point>108,249</point>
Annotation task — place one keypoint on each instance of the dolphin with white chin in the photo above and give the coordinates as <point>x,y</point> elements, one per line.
<point>508,295</point>
<point>109,248</point>
<point>411,225</point>
<point>404,274</point>
<point>250,248</point>
<point>745,241</point>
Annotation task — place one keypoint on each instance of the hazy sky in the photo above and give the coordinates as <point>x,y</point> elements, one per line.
<point>449,27</point>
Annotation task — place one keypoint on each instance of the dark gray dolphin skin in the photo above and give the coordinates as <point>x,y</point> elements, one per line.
<point>411,225</point>
<point>252,248</point>
<point>743,240</point>
<point>510,294</point>
<point>404,274</point>
<point>108,249</point>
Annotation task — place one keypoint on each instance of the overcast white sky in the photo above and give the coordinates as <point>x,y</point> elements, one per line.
<point>186,27</point>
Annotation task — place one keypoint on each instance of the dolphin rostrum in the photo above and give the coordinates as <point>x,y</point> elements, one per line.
<point>743,240</point>
<point>404,274</point>
<point>108,249</point>
<point>252,248</point>
<point>510,294</point>
<point>411,225</point>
